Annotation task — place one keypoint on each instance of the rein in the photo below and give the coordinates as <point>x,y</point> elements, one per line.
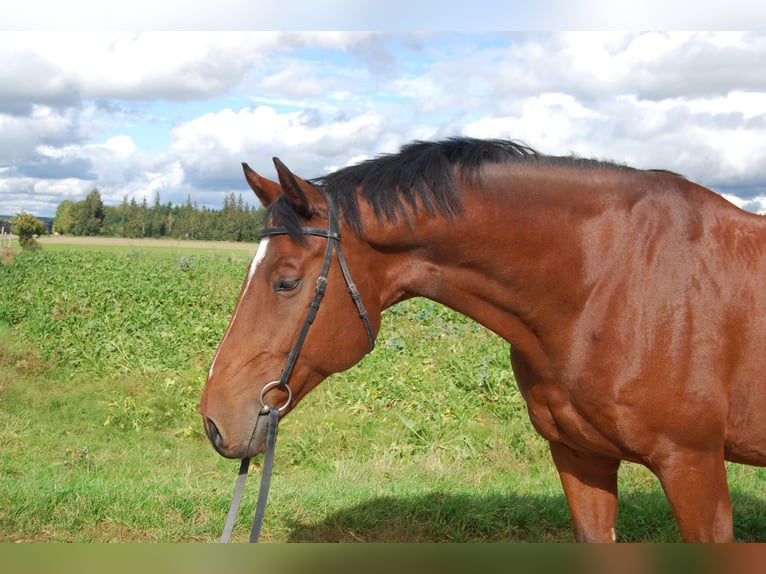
<point>332,233</point>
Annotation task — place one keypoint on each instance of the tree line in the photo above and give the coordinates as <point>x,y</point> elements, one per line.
<point>237,221</point>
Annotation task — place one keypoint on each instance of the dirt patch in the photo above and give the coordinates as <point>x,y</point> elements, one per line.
<point>7,255</point>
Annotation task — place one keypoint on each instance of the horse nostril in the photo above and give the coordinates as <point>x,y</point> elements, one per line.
<point>214,434</point>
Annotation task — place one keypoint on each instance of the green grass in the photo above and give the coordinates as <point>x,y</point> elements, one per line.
<point>103,357</point>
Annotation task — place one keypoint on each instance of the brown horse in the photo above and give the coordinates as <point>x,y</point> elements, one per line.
<point>633,302</point>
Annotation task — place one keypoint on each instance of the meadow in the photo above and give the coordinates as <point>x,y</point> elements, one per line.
<point>103,355</point>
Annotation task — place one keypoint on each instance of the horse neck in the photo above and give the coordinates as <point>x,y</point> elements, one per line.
<point>511,258</point>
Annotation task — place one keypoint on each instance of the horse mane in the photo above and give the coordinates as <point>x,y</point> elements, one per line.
<point>422,175</point>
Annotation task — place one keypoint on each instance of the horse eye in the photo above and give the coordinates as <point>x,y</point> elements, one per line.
<point>283,285</point>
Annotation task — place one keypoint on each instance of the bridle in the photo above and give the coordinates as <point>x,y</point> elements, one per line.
<point>333,244</point>
<point>332,233</point>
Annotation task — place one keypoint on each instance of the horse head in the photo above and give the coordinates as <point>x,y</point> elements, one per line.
<point>294,323</point>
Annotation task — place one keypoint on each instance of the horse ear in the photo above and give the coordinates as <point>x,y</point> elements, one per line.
<point>266,191</point>
<point>303,195</point>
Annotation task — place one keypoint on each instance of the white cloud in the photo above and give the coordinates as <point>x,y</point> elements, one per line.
<point>552,122</point>
<point>147,65</point>
<point>136,113</point>
<point>21,134</point>
<point>213,145</point>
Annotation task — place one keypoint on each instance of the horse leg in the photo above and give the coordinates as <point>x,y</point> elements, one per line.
<point>696,486</point>
<point>590,486</point>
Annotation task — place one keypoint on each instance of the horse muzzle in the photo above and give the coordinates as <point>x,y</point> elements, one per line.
<point>256,443</point>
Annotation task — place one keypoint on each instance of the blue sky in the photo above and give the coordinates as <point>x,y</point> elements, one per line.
<point>138,112</point>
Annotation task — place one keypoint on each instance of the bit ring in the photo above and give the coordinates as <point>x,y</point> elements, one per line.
<point>267,388</point>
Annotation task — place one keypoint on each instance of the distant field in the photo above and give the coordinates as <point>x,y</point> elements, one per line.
<point>124,244</point>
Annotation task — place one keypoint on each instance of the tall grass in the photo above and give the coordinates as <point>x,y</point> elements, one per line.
<point>103,358</point>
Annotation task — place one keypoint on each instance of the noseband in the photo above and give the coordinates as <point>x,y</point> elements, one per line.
<point>332,233</point>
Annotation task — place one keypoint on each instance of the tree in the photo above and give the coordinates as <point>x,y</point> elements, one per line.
<point>28,227</point>
<point>157,218</point>
<point>63,223</point>
<point>235,222</point>
<point>92,214</point>
<point>136,220</point>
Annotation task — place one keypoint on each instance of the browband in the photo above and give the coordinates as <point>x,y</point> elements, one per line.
<point>280,230</point>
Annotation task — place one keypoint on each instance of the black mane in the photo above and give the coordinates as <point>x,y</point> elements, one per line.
<point>421,175</point>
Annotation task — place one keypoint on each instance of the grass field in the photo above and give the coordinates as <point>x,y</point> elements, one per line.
<point>103,355</point>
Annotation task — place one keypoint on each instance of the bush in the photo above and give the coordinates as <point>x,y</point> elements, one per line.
<point>27,227</point>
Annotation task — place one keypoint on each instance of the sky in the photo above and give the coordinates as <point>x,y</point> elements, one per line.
<point>99,95</point>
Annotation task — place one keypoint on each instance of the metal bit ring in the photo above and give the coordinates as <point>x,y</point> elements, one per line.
<point>267,388</point>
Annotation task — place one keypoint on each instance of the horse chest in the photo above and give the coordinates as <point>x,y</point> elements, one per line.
<point>580,421</point>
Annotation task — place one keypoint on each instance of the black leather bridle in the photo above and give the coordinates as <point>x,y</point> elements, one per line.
<point>332,233</point>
